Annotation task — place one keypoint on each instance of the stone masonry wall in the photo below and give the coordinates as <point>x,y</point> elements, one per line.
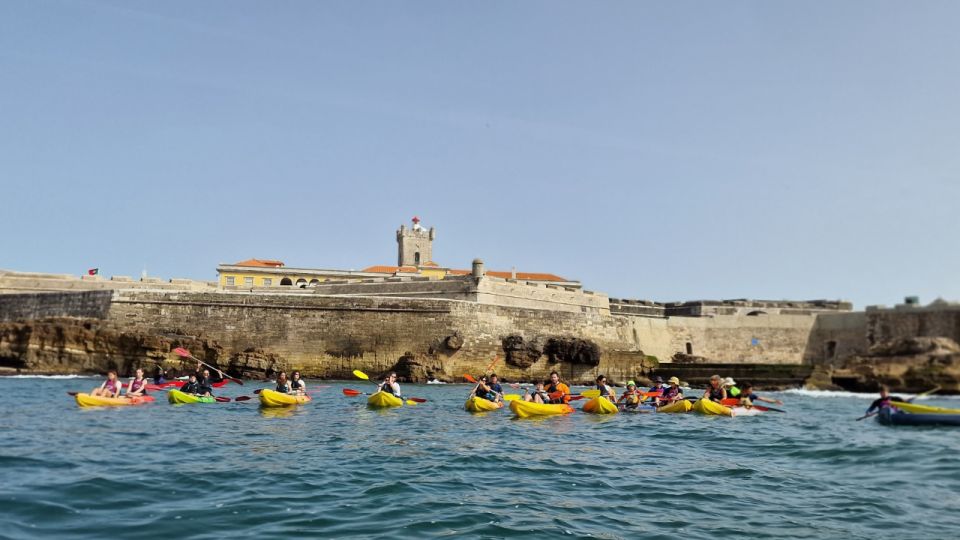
<point>33,306</point>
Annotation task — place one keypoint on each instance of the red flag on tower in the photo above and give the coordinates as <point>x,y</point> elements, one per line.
<point>93,271</point>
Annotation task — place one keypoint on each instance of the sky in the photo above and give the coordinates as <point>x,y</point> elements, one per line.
<point>653,150</point>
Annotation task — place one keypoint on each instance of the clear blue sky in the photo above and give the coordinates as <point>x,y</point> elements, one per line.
<point>659,150</point>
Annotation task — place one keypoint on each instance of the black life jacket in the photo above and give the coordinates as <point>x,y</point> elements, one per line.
<point>296,385</point>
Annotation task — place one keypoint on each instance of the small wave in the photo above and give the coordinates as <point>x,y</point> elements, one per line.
<point>50,377</point>
<point>858,395</point>
<point>435,382</point>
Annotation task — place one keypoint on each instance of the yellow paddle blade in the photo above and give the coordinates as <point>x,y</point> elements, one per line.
<point>360,375</point>
<point>511,397</point>
<point>411,402</point>
<point>590,393</point>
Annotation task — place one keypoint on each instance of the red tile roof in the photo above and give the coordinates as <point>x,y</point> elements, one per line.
<point>260,263</point>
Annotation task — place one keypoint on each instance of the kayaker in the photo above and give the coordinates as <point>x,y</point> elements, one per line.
<point>297,385</point>
<point>747,397</point>
<point>203,379</point>
<point>138,385</point>
<point>630,398</point>
<point>389,385</point>
<point>884,399</point>
<point>731,387</point>
<point>672,393</point>
<point>483,390</point>
<point>110,387</point>
<point>191,386</point>
<point>539,394</point>
<point>657,387</point>
<point>605,391</point>
<point>496,387</point>
<point>160,375</point>
<point>283,385</point>
<point>559,391</point>
<point>715,392</point>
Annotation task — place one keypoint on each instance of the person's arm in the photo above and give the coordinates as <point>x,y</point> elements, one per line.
<point>130,387</point>
<point>768,400</point>
<point>874,405</point>
<point>303,386</point>
<point>706,393</point>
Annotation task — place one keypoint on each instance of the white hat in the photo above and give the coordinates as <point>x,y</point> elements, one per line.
<point>729,382</point>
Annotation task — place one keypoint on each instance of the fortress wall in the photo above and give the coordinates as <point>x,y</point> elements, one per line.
<point>539,296</point>
<point>780,339</point>
<point>16,282</point>
<point>836,336</point>
<point>905,322</point>
<point>33,306</point>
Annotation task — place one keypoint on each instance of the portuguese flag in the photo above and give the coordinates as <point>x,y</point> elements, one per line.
<point>93,271</point>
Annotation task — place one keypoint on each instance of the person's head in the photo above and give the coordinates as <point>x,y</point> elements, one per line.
<point>206,373</point>
<point>631,385</point>
<point>539,385</point>
<point>296,375</point>
<point>658,380</point>
<point>715,381</point>
<point>392,376</point>
<point>494,379</point>
<point>111,375</point>
<point>884,390</point>
<point>483,379</point>
<point>139,373</point>
<point>601,379</point>
<point>745,389</point>
<point>728,382</point>
<point>193,377</point>
<point>554,377</point>
<point>674,381</point>
<point>282,376</point>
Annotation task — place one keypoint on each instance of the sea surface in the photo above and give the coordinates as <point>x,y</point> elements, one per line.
<point>334,469</point>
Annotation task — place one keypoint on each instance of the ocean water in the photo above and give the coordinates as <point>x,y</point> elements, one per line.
<point>335,469</point>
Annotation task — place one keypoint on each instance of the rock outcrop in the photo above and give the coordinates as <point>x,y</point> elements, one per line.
<point>912,365</point>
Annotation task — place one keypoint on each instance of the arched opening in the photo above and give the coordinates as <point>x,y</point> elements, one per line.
<point>755,313</point>
<point>314,282</point>
<point>830,349</point>
<point>286,281</point>
<point>416,258</point>
<point>302,283</point>
<point>689,348</point>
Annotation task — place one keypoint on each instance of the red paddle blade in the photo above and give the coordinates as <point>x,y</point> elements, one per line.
<point>417,399</point>
<point>182,352</point>
<point>242,398</point>
<point>730,402</point>
<point>469,378</point>
<point>222,399</point>
<point>574,398</point>
<point>351,393</point>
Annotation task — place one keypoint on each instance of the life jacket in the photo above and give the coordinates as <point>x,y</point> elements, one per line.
<point>190,388</point>
<point>111,386</point>
<point>633,398</point>
<point>283,387</point>
<point>670,393</point>
<point>716,394</point>
<point>296,385</point>
<point>137,384</point>
<point>388,388</point>
<point>554,388</point>
<point>733,391</point>
<point>604,390</point>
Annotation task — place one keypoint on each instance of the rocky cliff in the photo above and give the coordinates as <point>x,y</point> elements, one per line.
<point>914,365</point>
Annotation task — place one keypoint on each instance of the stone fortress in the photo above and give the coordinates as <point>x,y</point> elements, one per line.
<point>432,322</point>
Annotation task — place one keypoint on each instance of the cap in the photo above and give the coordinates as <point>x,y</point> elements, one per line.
<point>658,379</point>
<point>674,380</point>
<point>631,383</point>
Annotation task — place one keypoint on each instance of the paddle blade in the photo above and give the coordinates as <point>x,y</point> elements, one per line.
<point>590,393</point>
<point>417,399</point>
<point>242,398</point>
<point>511,397</point>
<point>469,378</point>
<point>360,375</point>
<point>575,398</point>
<point>222,399</point>
<point>72,393</point>
<point>730,402</point>
<point>182,352</point>
<point>351,393</point>
<point>411,402</point>
<point>258,390</point>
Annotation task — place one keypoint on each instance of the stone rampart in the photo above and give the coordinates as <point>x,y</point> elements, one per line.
<point>18,282</point>
<point>34,306</point>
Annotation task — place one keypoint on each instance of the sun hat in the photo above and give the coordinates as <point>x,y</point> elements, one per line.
<point>631,383</point>
<point>674,380</point>
<point>729,382</point>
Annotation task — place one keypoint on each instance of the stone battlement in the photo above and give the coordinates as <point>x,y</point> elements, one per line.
<point>713,308</point>
<point>19,282</point>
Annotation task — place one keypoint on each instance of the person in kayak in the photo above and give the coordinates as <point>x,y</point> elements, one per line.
<point>730,386</point>
<point>203,379</point>
<point>137,386</point>
<point>496,387</point>
<point>672,393</point>
<point>747,397</point>
<point>630,398</point>
<point>605,391</point>
<point>110,387</point>
<point>389,385</point>
<point>483,390</point>
<point>283,385</point>
<point>657,387</point>
<point>715,392</point>
<point>884,399</point>
<point>297,386</point>
<point>192,386</point>
<point>539,394</point>
<point>558,390</point>
<point>160,375</point>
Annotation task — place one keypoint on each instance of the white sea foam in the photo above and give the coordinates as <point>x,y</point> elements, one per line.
<point>50,377</point>
<point>435,382</point>
<point>860,395</point>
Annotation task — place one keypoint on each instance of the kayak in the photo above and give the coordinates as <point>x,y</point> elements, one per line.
<point>179,398</point>
<point>745,411</point>
<point>639,409</point>
<point>178,384</point>
<point>381,400</point>
<point>705,406</point>
<point>680,406</point>
<point>600,405</point>
<point>479,404</point>
<point>925,409</point>
<point>527,409</point>
<point>86,400</point>
<point>891,417</point>
<point>272,398</point>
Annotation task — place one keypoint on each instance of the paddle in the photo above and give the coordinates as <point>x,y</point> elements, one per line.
<point>868,415</point>
<point>186,354</point>
<point>511,397</point>
<point>361,375</point>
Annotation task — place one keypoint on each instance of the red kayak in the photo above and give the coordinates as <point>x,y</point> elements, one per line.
<point>178,384</point>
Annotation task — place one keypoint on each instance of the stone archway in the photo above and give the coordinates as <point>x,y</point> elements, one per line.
<point>286,281</point>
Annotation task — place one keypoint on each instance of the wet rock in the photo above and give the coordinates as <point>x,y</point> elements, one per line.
<point>255,363</point>
<point>573,351</point>
<point>417,369</point>
<point>519,352</point>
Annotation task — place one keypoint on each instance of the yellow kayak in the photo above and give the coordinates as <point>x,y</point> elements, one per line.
<point>383,399</point>
<point>705,406</point>
<point>913,408</point>
<point>86,400</point>
<point>272,398</point>
<point>680,406</point>
<point>600,405</point>
<point>479,404</point>
<point>527,409</point>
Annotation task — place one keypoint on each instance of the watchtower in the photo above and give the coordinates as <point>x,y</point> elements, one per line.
<point>414,245</point>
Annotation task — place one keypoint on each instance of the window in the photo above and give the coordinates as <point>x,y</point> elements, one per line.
<point>267,282</point>
<point>230,282</point>
<point>286,281</point>
<point>416,259</point>
<point>689,348</point>
<point>314,282</point>
<point>248,282</point>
